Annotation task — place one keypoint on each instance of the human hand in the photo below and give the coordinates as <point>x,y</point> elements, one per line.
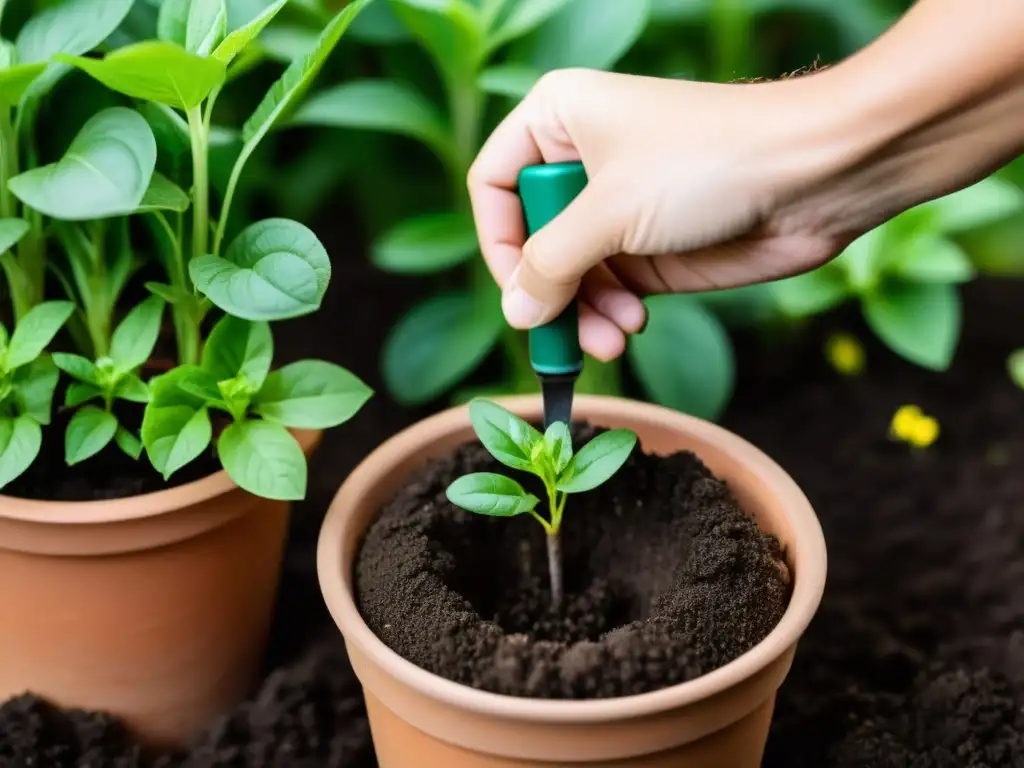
<point>700,186</point>
<point>686,192</point>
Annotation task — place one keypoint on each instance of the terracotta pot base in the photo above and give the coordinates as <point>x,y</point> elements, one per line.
<point>155,609</point>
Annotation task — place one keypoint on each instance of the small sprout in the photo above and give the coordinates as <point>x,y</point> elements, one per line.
<point>845,353</point>
<point>910,425</point>
<point>550,457</point>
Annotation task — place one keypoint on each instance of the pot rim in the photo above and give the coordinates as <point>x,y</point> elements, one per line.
<point>336,580</point>
<point>133,507</point>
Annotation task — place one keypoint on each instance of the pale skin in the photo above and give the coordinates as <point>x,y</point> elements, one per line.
<point>700,186</point>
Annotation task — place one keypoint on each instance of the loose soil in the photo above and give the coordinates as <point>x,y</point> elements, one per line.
<point>915,660</point>
<point>666,579</point>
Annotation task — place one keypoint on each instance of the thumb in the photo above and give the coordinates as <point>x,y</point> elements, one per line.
<point>556,258</point>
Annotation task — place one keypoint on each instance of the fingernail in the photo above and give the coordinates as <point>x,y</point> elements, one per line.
<point>521,309</point>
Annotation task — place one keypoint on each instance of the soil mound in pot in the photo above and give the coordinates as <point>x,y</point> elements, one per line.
<point>667,579</point>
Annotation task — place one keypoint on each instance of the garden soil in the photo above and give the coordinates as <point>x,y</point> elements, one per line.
<point>915,660</point>
<point>666,580</point>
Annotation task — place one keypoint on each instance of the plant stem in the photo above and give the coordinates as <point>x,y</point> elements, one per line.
<point>186,325</point>
<point>200,183</point>
<point>555,568</point>
<point>229,195</point>
<point>97,318</point>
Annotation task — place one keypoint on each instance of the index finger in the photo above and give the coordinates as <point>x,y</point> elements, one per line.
<point>493,180</point>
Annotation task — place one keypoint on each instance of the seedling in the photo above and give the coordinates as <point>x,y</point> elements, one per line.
<point>550,457</point>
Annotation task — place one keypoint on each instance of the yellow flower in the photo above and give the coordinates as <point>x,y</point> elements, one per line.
<point>912,426</point>
<point>845,353</point>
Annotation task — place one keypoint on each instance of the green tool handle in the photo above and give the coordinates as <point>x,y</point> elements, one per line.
<point>545,191</point>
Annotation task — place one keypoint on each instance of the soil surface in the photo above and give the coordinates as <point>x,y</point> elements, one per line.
<point>915,660</point>
<point>667,579</point>
<point>110,474</point>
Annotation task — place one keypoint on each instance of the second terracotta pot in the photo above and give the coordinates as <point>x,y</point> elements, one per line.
<point>154,608</point>
<point>720,720</point>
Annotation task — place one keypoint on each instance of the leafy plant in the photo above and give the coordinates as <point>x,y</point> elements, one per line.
<point>82,213</point>
<point>905,273</point>
<point>548,456</point>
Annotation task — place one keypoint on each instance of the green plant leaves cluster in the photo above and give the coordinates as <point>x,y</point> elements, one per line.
<point>73,218</point>
<point>235,379</point>
<point>548,456</point>
<point>905,273</point>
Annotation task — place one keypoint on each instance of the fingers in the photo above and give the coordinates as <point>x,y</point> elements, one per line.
<point>603,291</point>
<point>557,257</point>
<point>600,337</point>
<point>523,138</point>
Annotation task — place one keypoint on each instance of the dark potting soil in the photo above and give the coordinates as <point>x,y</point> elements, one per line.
<point>110,474</point>
<point>915,660</point>
<point>667,579</point>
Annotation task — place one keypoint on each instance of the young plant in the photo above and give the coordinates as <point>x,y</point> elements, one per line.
<point>548,456</point>
<point>905,273</point>
<point>83,205</point>
<point>112,377</point>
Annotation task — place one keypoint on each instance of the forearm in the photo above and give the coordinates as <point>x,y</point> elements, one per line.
<point>934,104</point>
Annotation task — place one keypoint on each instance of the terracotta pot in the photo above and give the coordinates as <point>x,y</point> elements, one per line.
<point>155,608</point>
<point>720,720</point>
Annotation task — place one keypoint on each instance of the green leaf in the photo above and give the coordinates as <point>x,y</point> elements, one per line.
<point>162,194</point>
<point>79,392</point>
<point>864,259</point>
<point>977,206</point>
<point>293,83</point>
<point>264,459</point>
<point>558,443</point>
<point>286,43</point>
<point>15,81</point>
<point>378,105</point>
<point>584,34</point>
<point>172,21</point>
<point>11,231</point>
<point>597,461</point>
<point>105,172</point>
<point>131,387</point>
<point>684,358</point>
<point>155,71</point>
<point>487,493</point>
<point>379,25</point>
<point>931,259</point>
<point>812,293</point>
<point>426,244</point>
<point>512,80</point>
<point>200,383</point>
<point>451,31</point>
<point>166,292</point>
<point>33,387</point>
<point>506,437</point>
<point>1015,367</point>
<point>919,321</point>
<point>239,39</point>
<point>73,27</point>
<point>176,426</point>
<point>20,440</point>
<point>136,335</point>
<point>36,329</point>
<point>76,366</point>
<point>438,343</point>
<point>238,347</point>
<point>206,27</point>
<point>311,394</point>
<point>518,17</point>
<point>128,442</point>
<point>90,430</point>
<point>274,269</point>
